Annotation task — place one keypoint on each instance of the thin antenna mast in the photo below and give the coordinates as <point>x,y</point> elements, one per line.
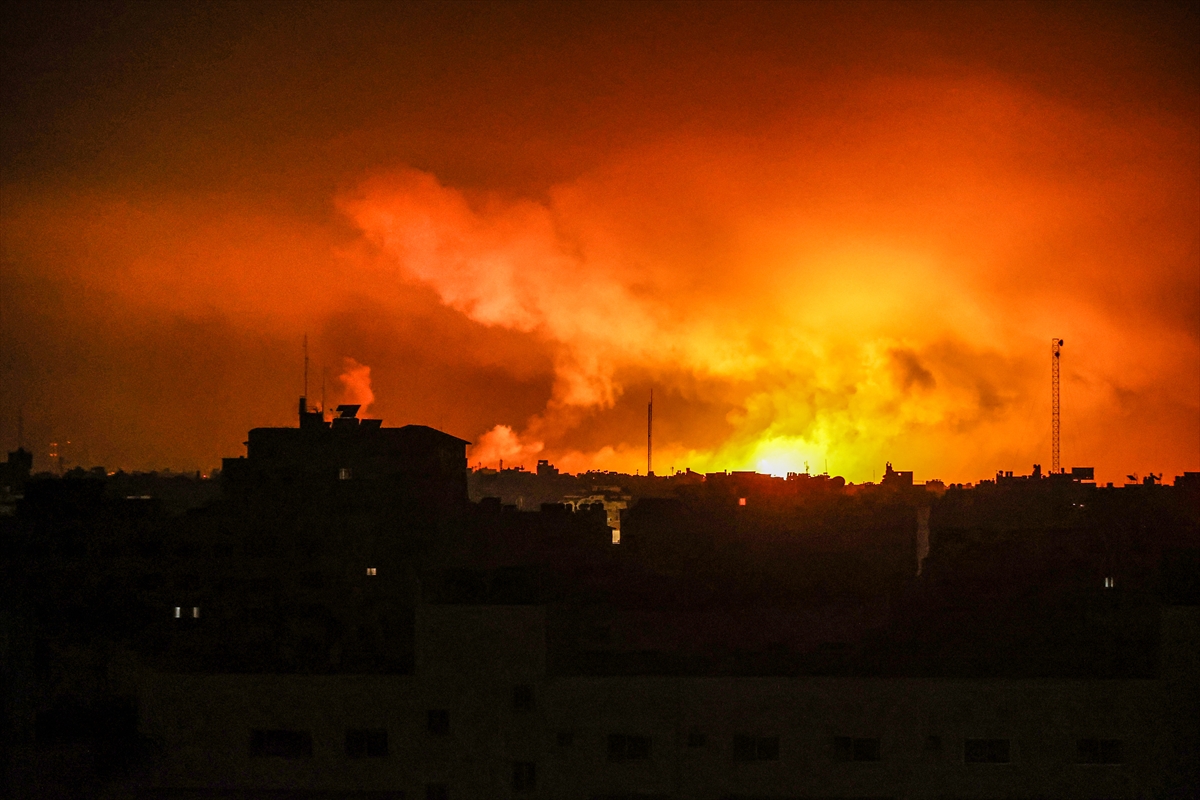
<point>1055,409</point>
<point>650,435</point>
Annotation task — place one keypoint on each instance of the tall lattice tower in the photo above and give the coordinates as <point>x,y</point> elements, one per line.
<point>1055,408</point>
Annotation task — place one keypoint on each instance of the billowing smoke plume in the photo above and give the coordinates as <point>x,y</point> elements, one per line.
<point>356,385</point>
<point>808,261</point>
<point>501,444</point>
<point>818,309</point>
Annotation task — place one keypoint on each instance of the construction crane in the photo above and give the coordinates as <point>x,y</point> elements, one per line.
<point>1055,410</point>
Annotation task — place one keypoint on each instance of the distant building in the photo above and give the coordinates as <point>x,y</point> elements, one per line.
<point>897,479</point>
<point>15,471</point>
<point>414,462</point>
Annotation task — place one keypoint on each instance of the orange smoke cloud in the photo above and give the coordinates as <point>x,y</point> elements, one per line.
<point>837,312</point>
<point>848,250</point>
<point>356,385</point>
<point>501,444</point>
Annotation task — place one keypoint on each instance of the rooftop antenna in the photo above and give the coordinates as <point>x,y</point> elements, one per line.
<point>650,435</point>
<point>306,366</point>
<point>1055,357</point>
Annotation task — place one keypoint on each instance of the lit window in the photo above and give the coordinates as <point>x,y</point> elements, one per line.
<point>177,610</point>
<point>1109,583</point>
<point>344,474</point>
<point>616,535</point>
<point>195,612</point>
<point>741,501</point>
<point>370,570</point>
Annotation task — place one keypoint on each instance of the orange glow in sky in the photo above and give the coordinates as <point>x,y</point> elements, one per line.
<point>823,234</point>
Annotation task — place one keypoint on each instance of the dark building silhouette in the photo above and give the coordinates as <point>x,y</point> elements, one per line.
<point>15,471</point>
<point>414,465</point>
<point>342,621</point>
<point>892,478</point>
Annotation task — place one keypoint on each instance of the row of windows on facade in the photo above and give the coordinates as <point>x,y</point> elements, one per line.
<point>373,743</point>
<point>366,743</point>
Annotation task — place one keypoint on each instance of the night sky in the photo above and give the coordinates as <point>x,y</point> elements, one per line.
<point>836,234</point>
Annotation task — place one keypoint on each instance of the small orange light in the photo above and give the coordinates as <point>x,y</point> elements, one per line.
<point>741,501</point>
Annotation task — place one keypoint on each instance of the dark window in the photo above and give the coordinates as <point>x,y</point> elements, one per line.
<point>597,634</point>
<point>437,791</point>
<point>843,748</point>
<point>281,744</point>
<point>768,748</point>
<point>986,751</point>
<point>524,776</point>
<point>1098,751</point>
<point>755,748</point>
<point>523,697</point>
<point>847,748</point>
<point>696,739</point>
<point>439,721</point>
<point>366,743</point>
<point>72,722</point>
<point>565,738</point>
<point>933,744</point>
<point>639,748</point>
<point>624,747</point>
<point>743,748</point>
<point>866,749</point>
